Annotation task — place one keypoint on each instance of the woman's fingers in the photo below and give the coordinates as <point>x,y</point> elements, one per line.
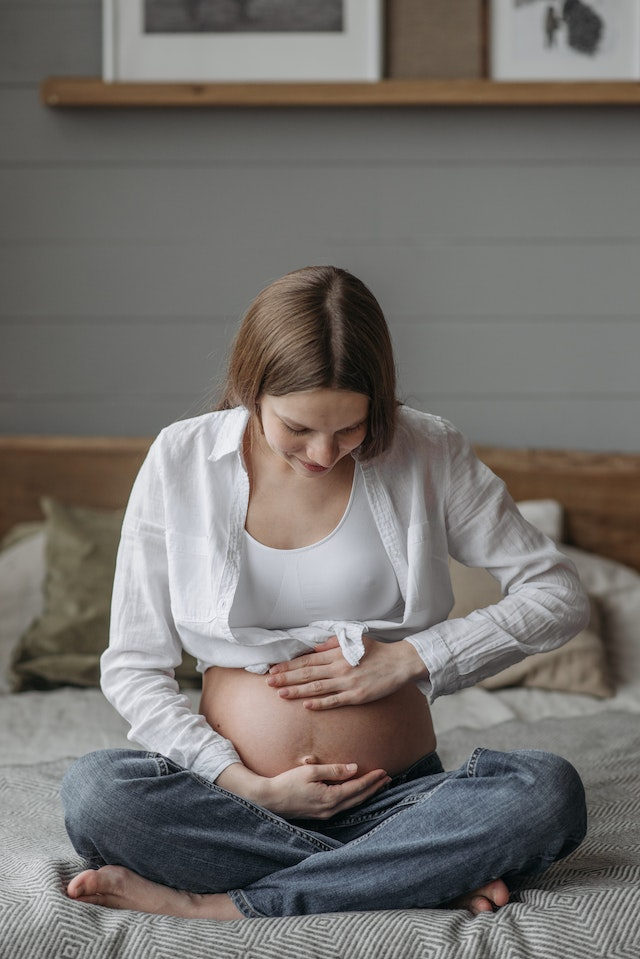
<point>317,687</point>
<point>333,771</point>
<point>343,774</point>
<point>353,799</point>
<point>319,668</point>
<point>356,790</point>
<point>325,695</point>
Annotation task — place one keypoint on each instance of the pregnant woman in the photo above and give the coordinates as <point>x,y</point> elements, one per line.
<point>296,542</point>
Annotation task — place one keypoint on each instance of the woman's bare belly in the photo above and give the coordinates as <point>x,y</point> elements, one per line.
<point>272,734</point>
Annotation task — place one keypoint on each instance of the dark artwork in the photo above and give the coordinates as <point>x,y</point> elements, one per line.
<point>584,26</point>
<point>243,16</point>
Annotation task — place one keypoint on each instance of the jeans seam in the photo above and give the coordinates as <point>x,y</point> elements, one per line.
<point>263,813</point>
<point>473,760</point>
<point>241,902</point>
<point>161,763</point>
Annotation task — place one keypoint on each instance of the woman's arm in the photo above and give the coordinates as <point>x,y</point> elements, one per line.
<point>545,604</point>
<point>137,669</point>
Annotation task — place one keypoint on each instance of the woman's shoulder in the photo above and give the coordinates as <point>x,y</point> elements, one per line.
<point>419,456</point>
<point>415,426</point>
<point>422,441</point>
<point>208,435</point>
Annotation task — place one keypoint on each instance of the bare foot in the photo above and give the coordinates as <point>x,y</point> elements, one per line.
<point>483,899</point>
<point>119,888</point>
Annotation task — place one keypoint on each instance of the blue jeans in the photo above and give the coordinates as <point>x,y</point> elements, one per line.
<point>426,838</point>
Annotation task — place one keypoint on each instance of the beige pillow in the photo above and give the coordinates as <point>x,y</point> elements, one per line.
<point>63,645</point>
<point>580,666</point>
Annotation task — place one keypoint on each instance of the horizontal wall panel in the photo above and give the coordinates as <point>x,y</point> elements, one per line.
<point>79,280</point>
<point>150,280</point>
<point>469,359</point>
<point>110,415</point>
<point>135,358</point>
<point>591,136</point>
<point>596,424</point>
<point>421,206</point>
<point>36,42</point>
<point>455,357</point>
<point>48,7</point>
<point>499,281</point>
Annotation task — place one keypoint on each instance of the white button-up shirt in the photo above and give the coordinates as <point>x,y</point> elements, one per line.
<point>178,566</point>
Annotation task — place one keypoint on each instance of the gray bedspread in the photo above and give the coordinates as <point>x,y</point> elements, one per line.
<point>587,905</point>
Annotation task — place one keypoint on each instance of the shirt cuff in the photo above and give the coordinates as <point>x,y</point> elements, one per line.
<point>211,761</point>
<point>436,656</point>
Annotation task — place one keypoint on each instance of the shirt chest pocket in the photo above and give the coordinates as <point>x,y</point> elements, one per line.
<point>191,577</point>
<point>429,585</point>
<point>428,538</point>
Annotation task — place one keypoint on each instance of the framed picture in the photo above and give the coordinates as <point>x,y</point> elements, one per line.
<point>565,39</point>
<point>237,40</point>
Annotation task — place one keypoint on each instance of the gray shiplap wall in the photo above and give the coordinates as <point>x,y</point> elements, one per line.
<point>503,245</point>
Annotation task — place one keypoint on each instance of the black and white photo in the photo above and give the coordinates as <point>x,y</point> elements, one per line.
<point>206,41</point>
<point>243,16</point>
<point>565,39</point>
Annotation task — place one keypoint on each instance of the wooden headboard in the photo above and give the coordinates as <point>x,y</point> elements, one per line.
<point>600,492</point>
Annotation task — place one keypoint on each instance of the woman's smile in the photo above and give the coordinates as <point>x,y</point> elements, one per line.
<point>313,467</point>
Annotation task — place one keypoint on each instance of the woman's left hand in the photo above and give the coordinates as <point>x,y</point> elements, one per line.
<point>323,679</point>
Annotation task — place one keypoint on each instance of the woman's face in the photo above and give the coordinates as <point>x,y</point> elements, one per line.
<point>313,430</point>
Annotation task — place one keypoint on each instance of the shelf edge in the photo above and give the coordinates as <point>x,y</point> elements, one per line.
<point>61,92</point>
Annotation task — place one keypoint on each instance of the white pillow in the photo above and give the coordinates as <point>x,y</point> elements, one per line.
<point>616,587</point>
<point>545,514</point>
<point>22,572</point>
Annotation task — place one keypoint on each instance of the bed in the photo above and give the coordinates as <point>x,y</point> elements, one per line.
<point>587,905</point>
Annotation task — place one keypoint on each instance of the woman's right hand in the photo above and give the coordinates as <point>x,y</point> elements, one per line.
<point>319,790</point>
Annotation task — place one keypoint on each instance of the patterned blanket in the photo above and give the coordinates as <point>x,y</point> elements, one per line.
<point>586,906</point>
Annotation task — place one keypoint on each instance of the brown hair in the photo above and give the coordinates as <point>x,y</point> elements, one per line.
<point>314,328</point>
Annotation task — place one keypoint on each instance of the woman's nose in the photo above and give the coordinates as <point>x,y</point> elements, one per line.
<point>322,450</point>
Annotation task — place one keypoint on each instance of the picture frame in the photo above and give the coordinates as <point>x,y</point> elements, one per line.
<point>242,40</point>
<point>565,40</point>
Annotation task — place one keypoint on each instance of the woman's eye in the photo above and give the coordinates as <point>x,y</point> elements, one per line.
<point>349,429</point>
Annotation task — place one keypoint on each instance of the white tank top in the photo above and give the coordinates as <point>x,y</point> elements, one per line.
<point>347,575</point>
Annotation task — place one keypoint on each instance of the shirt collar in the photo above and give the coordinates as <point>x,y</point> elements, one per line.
<point>229,439</point>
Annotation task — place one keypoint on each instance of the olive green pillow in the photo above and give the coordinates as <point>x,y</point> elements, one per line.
<point>579,666</point>
<point>63,646</point>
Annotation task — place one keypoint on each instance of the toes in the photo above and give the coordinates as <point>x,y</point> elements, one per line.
<point>82,883</point>
<point>498,891</point>
<point>93,885</point>
<point>480,904</point>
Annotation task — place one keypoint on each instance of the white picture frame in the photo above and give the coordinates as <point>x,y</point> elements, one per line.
<point>545,40</point>
<point>354,52</point>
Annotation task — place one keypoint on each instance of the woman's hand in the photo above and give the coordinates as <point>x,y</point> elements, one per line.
<point>319,791</point>
<point>310,791</point>
<point>324,679</point>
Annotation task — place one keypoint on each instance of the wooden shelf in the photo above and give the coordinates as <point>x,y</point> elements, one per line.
<point>93,92</point>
